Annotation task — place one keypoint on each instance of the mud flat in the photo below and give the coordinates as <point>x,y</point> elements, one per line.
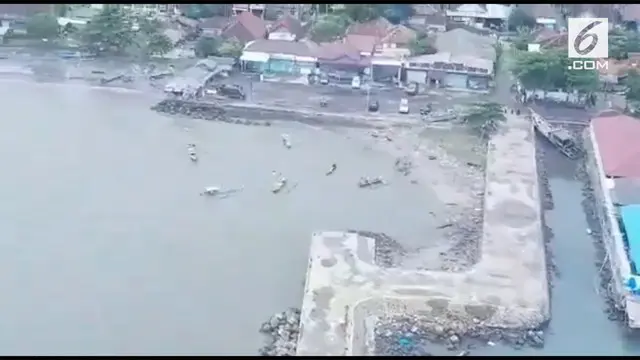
<point>347,293</point>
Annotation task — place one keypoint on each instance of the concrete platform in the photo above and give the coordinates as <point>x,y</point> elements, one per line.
<point>346,291</point>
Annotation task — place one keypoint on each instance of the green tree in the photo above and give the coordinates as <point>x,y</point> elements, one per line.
<point>159,44</point>
<point>110,31</point>
<point>61,9</point>
<point>422,45</point>
<point>485,117</point>
<point>329,28</point>
<point>520,18</point>
<point>633,86</point>
<point>207,46</point>
<point>230,48</point>
<point>362,12</point>
<point>585,82</point>
<point>523,39</point>
<point>43,26</point>
<point>396,13</point>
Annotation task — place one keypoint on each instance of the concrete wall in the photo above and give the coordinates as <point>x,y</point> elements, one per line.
<point>606,213</point>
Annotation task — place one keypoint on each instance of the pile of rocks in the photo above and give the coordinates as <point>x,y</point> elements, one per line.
<point>420,336</point>
<point>202,110</point>
<point>282,333</point>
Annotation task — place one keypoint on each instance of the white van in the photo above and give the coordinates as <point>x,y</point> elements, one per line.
<point>404,106</point>
<point>355,82</point>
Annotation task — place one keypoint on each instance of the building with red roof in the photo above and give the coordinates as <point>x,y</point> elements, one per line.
<point>617,144</point>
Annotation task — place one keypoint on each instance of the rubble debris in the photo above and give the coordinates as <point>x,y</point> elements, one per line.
<point>281,331</point>
<point>426,331</point>
<point>404,165</point>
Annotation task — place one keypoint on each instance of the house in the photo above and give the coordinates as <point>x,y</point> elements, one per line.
<point>287,28</point>
<point>464,61</point>
<point>546,15</point>
<point>450,71</point>
<point>151,9</point>
<point>280,56</point>
<point>550,39</point>
<point>397,39</point>
<point>23,11</point>
<point>246,27</point>
<point>214,25</point>
<point>429,23</point>
<point>341,57</point>
<point>255,9</point>
<point>365,44</point>
<point>480,15</point>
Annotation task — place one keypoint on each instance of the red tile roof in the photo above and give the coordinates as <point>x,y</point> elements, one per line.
<point>290,23</point>
<point>617,137</point>
<point>246,27</point>
<point>364,43</point>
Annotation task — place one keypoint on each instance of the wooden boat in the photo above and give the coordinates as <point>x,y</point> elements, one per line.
<point>561,138</point>
<point>279,185</point>
<point>367,182</point>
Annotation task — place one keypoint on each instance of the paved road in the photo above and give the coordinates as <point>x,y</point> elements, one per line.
<point>344,99</point>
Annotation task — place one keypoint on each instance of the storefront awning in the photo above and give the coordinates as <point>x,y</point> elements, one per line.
<point>254,56</point>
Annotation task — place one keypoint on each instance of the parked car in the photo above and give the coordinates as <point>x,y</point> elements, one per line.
<point>324,79</point>
<point>374,105</point>
<point>355,82</point>
<point>231,91</point>
<point>412,88</point>
<point>404,106</point>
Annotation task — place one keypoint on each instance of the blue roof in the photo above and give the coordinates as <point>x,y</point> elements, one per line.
<point>630,215</point>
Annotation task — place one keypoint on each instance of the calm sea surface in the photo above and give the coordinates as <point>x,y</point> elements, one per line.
<point>107,248</point>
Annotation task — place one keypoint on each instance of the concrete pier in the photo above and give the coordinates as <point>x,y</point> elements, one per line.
<point>346,291</point>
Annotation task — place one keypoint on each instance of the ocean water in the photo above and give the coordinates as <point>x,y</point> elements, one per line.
<point>107,248</point>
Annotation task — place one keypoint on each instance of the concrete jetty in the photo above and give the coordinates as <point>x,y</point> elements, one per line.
<point>346,292</point>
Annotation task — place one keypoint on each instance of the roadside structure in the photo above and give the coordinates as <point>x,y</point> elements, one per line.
<point>464,61</point>
<point>613,165</point>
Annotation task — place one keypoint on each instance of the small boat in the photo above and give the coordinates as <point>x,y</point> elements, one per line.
<point>211,191</point>
<point>279,185</point>
<point>285,141</point>
<point>193,157</point>
<point>332,170</point>
<point>367,182</point>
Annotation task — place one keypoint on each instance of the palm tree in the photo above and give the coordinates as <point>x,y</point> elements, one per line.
<point>485,118</point>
